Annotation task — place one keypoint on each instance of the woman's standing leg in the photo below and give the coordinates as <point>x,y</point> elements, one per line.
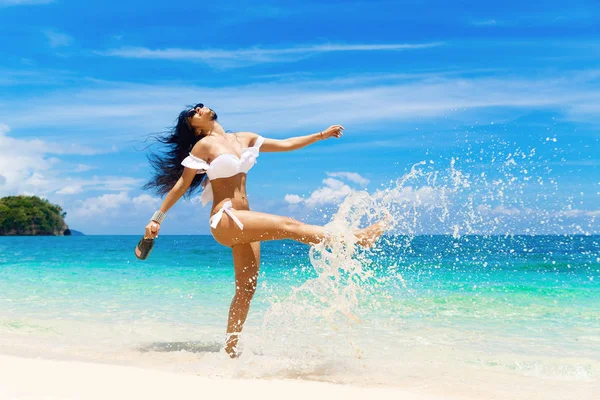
<point>246,262</point>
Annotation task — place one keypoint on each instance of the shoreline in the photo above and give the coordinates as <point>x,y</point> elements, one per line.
<point>37,378</point>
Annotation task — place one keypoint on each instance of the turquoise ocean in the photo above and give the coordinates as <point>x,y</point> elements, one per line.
<point>518,314</point>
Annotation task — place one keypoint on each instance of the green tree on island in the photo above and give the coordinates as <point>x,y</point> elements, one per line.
<point>31,216</point>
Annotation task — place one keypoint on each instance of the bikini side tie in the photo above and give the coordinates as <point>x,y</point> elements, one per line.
<point>227,208</point>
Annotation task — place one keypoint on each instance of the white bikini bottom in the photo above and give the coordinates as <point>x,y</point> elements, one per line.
<point>227,209</point>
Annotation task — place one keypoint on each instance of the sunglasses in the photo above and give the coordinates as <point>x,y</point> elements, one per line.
<point>192,112</point>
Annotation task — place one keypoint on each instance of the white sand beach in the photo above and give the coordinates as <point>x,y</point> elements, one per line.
<point>28,378</point>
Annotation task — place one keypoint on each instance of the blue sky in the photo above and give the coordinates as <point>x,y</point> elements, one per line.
<point>82,85</point>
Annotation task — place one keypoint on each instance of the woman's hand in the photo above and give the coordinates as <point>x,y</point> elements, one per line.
<point>152,230</point>
<point>333,131</point>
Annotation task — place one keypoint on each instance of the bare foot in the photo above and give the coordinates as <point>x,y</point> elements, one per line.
<point>231,346</point>
<point>369,235</point>
<point>232,352</point>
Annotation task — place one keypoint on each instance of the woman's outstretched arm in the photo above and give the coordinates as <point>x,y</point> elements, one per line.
<point>298,142</point>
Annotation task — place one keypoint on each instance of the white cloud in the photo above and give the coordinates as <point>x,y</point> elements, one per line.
<point>114,183</point>
<point>196,200</point>
<point>579,213</point>
<point>333,191</point>
<point>127,212</point>
<point>146,201</point>
<point>425,195</point>
<point>38,181</point>
<point>118,105</point>
<point>83,168</point>
<point>29,166</point>
<point>502,210</point>
<point>350,176</point>
<point>250,56</point>
<point>57,39</point>
<point>39,146</point>
<point>98,206</point>
<point>31,75</point>
<point>292,198</point>
<point>71,189</point>
<point>542,18</point>
<point>24,165</point>
<point>114,204</point>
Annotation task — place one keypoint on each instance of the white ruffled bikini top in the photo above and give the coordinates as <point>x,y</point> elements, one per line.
<point>223,166</point>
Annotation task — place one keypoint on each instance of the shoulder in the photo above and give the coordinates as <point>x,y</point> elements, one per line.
<point>249,138</point>
<point>202,148</point>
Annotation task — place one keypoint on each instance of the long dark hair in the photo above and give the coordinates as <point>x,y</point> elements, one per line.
<point>167,168</point>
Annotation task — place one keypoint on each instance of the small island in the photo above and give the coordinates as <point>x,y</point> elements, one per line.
<point>31,216</point>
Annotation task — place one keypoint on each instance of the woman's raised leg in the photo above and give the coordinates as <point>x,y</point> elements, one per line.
<point>246,262</point>
<point>261,226</point>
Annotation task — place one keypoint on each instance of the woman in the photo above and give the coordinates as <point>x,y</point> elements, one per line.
<point>201,153</point>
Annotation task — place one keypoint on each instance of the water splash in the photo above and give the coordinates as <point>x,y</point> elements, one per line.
<point>473,198</point>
